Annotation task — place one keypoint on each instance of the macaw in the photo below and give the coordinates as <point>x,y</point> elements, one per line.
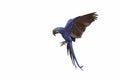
<point>74,29</point>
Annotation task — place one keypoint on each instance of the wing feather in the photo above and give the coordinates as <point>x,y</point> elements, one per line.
<point>79,24</point>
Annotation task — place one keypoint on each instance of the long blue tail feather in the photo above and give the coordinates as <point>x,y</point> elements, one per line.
<point>72,55</point>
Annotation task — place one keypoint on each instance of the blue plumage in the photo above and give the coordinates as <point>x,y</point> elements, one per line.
<point>74,29</point>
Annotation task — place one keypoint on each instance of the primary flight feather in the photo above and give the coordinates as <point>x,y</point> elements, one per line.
<point>74,29</point>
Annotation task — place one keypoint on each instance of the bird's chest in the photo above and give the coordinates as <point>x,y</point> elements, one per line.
<point>66,36</point>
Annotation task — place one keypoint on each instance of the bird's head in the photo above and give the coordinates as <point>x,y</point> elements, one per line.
<point>57,30</point>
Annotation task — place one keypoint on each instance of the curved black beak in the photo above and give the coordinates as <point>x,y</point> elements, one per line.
<point>55,32</point>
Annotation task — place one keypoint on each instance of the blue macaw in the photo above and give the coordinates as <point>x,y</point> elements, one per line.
<point>74,29</point>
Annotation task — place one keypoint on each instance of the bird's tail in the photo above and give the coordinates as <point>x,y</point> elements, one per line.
<point>70,51</point>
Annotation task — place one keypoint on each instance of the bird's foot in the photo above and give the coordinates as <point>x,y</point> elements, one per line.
<point>63,43</point>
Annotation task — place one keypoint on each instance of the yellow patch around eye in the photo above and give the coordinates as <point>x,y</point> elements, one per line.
<point>57,31</point>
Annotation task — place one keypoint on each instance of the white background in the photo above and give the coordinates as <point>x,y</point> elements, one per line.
<point>29,51</point>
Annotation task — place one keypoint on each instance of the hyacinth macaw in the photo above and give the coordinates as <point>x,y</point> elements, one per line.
<point>74,29</point>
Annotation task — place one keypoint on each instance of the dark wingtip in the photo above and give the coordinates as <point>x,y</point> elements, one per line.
<point>95,15</point>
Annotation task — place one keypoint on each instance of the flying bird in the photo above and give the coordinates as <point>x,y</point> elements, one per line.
<point>74,29</point>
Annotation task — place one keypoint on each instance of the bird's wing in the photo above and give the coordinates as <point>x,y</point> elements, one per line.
<point>77,26</point>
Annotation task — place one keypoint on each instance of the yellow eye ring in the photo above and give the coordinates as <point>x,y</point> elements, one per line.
<point>57,31</point>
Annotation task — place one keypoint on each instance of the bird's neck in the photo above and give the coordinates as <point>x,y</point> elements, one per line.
<point>62,30</point>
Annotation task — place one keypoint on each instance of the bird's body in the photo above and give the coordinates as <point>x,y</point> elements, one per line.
<point>74,29</point>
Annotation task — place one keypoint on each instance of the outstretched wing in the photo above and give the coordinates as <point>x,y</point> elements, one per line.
<point>77,26</point>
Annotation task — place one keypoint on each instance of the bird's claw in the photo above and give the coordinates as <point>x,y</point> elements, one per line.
<point>63,43</point>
